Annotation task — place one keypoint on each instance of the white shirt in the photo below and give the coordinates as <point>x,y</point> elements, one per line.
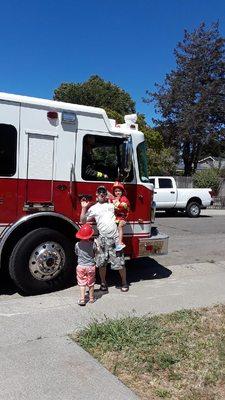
<point>103,213</point>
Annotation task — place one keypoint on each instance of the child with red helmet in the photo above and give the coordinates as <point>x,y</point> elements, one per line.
<point>122,207</point>
<point>85,250</point>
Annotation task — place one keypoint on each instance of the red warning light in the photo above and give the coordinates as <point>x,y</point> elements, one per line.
<point>52,115</point>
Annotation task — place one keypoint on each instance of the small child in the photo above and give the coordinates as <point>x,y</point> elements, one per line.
<point>85,250</point>
<point>122,206</point>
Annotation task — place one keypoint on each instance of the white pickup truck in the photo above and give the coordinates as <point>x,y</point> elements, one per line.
<point>171,199</point>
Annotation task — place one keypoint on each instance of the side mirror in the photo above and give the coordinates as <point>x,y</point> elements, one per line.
<point>126,159</point>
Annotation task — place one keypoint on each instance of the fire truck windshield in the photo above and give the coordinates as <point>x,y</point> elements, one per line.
<point>142,162</point>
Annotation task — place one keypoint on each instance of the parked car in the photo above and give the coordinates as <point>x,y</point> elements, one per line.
<point>172,199</point>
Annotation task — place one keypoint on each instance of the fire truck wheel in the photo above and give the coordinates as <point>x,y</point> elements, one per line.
<point>193,209</point>
<point>42,261</point>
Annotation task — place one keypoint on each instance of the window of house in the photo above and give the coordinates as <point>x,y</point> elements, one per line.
<point>165,183</point>
<point>102,159</point>
<point>8,148</point>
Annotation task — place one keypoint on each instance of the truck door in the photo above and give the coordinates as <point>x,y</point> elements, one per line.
<point>40,168</point>
<point>9,138</point>
<point>164,193</point>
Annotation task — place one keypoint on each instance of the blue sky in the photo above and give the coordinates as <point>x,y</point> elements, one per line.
<point>130,43</point>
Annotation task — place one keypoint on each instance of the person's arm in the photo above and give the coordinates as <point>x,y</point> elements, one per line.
<point>86,214</point>
<point>76,249</point>
<point>124,205</point>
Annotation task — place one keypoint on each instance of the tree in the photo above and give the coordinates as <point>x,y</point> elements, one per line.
<point>191,100</point>
<point>161,160</point>
<point>117,103</point>
<point>215,148</point>
<point>97,93</point>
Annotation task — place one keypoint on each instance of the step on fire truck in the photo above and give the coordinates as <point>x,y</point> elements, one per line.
<point>51,155</point>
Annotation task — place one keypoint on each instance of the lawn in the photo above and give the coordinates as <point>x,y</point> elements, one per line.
<point>179,356</point>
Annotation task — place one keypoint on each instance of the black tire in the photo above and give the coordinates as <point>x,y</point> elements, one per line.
<point>193,209</point>
<point>21,261</point>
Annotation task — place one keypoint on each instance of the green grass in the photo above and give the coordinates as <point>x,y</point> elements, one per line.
<point>176,356</point>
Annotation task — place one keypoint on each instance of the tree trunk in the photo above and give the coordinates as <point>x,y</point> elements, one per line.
<point>187,159</point>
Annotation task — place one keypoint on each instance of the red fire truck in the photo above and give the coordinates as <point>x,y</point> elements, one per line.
<point>51,155</point>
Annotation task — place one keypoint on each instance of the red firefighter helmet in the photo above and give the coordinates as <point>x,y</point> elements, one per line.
<point>118,185</point>
<point>85,232</point>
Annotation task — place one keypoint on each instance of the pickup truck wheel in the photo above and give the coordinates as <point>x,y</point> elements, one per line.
<point>42,261</point>
<point>193,210</point>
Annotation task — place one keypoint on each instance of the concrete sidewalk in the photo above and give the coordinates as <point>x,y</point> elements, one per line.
<point>213,211</point>
<point>56,369</point>
<point>39,361</point>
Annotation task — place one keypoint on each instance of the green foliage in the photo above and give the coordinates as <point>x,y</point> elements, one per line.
<point>96,92</point>
<point>192,99</point>
<point>115,115</point>
<point>154,139</point>
<point>209,178</point>
<point>161,162</point>
<point>222,172</point>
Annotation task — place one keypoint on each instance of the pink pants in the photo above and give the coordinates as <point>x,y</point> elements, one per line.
<point>86,275</point>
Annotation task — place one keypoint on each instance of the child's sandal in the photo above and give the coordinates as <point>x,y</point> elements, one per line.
<point>92,300</point>
<point>125,288</point>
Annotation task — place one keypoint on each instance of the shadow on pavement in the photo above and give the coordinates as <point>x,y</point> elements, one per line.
<point>141,269</point>
<point>6,284</point>
<point>144,268</point>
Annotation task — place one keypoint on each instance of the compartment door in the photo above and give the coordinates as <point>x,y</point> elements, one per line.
<point>40,168</point>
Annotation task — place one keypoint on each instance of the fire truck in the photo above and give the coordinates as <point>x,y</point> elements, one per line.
<point>51,155</point>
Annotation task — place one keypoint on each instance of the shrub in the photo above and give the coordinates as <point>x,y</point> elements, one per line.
<point>209,178</point>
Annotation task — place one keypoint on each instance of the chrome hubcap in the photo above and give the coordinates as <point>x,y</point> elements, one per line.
<point>46,261</point>
<point>194,210</point>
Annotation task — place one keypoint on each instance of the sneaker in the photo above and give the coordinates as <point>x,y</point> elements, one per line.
<point>103,287</point>
<point>120,247</point>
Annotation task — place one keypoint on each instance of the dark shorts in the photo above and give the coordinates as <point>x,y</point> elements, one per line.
<point>106,253</point>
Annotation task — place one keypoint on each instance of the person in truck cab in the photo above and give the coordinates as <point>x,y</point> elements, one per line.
<point>103,214</point>
<point>90,169</point>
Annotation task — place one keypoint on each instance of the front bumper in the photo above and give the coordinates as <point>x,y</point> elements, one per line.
<point>157,244</point>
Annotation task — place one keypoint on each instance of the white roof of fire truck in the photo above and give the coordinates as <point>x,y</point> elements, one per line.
<point>130,120</point>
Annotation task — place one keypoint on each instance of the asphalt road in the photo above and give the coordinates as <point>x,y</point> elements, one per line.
<point>193,240</point>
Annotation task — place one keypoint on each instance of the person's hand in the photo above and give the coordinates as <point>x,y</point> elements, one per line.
<point>105,176</point>
<point>116,203</point>
<point>84,203</point>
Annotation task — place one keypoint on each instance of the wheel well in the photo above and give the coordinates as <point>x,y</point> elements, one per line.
<point>194,200</point>
<point>21,230</point>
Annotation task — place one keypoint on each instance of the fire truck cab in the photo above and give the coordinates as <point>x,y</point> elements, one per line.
<point>51,155</point>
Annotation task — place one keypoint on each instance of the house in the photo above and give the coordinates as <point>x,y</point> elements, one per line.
<point>204,163</point>
<point>211,162</point>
